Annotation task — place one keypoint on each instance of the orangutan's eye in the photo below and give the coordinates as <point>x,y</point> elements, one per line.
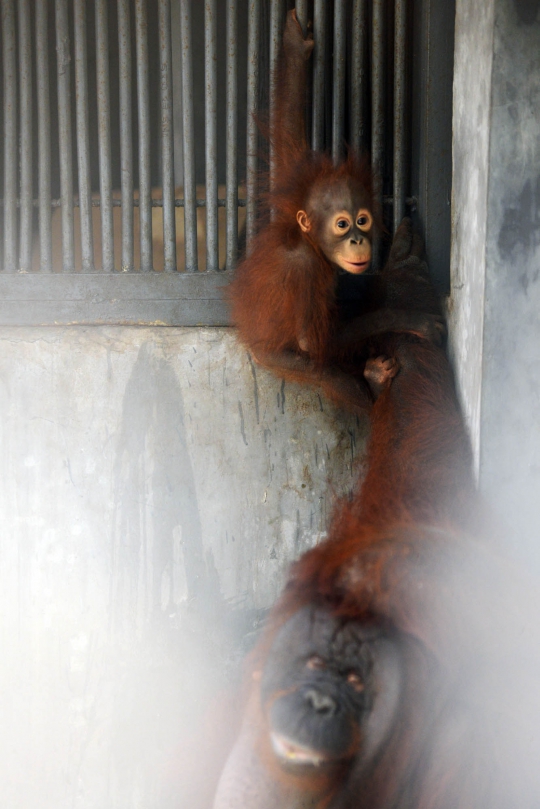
<point>315,663</point>
<point>364,220</point>
<point>342,225</point>
<point>354,680</point>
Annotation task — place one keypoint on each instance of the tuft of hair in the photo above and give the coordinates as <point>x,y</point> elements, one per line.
<point>295,180</point>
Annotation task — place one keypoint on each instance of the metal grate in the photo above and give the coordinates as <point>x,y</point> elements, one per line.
<point>131,143</point>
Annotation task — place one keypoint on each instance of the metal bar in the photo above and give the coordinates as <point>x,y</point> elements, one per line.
<point>357,133</point>
<point>167,142</point>
<point>25,78</point>
<point>83,137</point>
<point>143,99</point>
<point>126,143</point>
<point>301,7</point>
<point>338,79</point>
<point>400,28</point>
<point>44,136</point>
<point>190,216</point>
<point>275,43</point>
<point>63,59</point>
<point>377,93</point>
<point>104,135</point>
<point>210,73</point>
<point>430,145</point>
<point>231,236</point>
<point>254,26</point>
<point>10,135</point>
<point>319,35</point>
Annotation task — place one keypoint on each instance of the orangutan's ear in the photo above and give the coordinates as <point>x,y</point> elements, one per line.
<point>303,220</point>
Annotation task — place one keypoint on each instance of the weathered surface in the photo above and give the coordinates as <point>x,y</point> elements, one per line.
<point>156,486</point>
<point>471,126</point>
<point>496,252</point>
<point>122,299</point>
<point>510,445</point>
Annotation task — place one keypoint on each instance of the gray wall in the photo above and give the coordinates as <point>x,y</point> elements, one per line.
<point>156,486</point>
<point>496,253</point>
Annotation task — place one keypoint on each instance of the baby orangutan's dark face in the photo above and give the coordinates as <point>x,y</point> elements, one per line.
<point>340,220</point>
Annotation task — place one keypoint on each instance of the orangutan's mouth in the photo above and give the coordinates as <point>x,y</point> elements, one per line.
<point>293,753</point>
<point>356,266</point>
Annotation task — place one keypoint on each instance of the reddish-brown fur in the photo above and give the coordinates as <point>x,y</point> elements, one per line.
<point>419,469</point>
<point>286,286</point>
<point>399,556</point>
<point>283,296</point>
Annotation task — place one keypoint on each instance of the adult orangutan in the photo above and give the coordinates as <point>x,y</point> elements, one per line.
<point>324,220</point>
<point>400,666</point>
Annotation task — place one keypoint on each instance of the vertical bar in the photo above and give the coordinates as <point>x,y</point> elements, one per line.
<point>44,136</point>
<point>126,143</point>
<point>358,76</point>
<point>431,132</point>
<point>319,35</point>
<point>63,59</point>
<point>232,137</point>
<point>301,7</point>
<point>167,143</point>
<point>104,135</point>
<point>143,106</point>
<point>377,93</point>
<point>210,73</point>
<point>275,41</point>
<point>338,81</point>
<point>254,24</point>
<point>190,214</point>
<point>10,135</point>
<point>400,28</point>
<point>377,110</point>
<point>83,137</point>
<point>25,77</point>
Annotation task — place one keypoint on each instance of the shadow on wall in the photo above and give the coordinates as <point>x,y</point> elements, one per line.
<point>173,634</point>
<point>527,10</point>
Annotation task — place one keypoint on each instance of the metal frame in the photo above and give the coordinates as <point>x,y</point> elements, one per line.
<point>431,130</point>
<point>355,84</point>
<point>136,299</point>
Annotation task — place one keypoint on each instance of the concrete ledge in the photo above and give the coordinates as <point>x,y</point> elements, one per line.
<point>157,299</point>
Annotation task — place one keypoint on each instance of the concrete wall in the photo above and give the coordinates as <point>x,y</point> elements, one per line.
<point>496,253</point>
<point>471,124</point>
<point>156,486</point>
